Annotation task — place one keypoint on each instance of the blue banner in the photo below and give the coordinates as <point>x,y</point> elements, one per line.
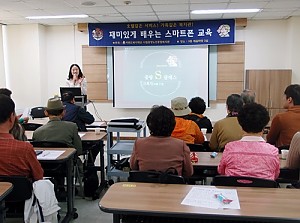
<point>207,32</point>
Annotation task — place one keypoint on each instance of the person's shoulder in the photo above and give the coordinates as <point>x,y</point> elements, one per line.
<point>40,129</point>
<point>68,124</point>
<point>297,135</point>
<point>222,121</point>
<point>234,144</point>
<point>270,146</point>
<point>175,140</point>
<point>23,144</point>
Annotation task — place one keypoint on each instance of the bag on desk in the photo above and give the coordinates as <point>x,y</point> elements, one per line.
<point>37,112</point>
<point>91,182</point>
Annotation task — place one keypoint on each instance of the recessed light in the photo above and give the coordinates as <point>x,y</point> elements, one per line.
<point>88,3</point>
<point>220,11</point>
<point>57,17</point>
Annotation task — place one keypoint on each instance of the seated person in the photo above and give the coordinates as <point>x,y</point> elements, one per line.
<point>227,129</point>
<point>285,125</point>
<point>251,156</point>
<point>17,130</point>
<point>198,106</point>
<point>293,158</point>
<point>248,96</point>
<point>81,117</point>
<point>57,130</point>
<point>75,113</point>
<point>17,158</point>
<point>186,130</point>
<point>160,151</point>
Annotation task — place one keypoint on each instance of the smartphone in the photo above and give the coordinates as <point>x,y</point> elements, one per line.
<point>213,154</point>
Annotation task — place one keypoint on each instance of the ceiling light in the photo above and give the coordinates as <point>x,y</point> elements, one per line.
<point>57,17</point>
<point>220,11</point>
<point>88,3</point>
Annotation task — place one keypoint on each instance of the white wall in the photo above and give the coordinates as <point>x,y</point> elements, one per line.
<point>294,48</point>
<point>41,56</point>
<point>2,72</point>
<point>266,44</point>
<point>24,77</point>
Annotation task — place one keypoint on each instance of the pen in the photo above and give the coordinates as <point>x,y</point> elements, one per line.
<point>45,153</point>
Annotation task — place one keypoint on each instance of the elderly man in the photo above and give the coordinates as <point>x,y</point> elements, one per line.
<point>57,130</point>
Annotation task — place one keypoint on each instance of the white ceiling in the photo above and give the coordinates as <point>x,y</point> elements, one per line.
<point>115,11</point>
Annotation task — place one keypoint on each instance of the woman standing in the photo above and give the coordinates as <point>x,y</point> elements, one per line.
<point>77,79</point>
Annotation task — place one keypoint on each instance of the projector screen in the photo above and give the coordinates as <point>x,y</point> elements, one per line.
<point>147,76</point>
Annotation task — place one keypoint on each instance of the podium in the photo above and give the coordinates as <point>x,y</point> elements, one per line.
<point>81,100</point>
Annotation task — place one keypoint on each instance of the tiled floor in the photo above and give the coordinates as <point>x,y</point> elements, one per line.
<point>88,211</point>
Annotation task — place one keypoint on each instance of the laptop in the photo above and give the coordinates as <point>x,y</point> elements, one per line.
<point>76,92</point>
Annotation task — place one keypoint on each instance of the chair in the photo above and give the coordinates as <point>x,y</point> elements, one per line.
<point>31,126</point>
<point>49,144</point>
<point>21,191</point>
<point>154,177</point>
<point>197,147</point>
<point>241,181</point>
<point>37,112</point>
<point>288,176</point>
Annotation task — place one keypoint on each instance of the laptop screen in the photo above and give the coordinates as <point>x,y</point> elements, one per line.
<point>76,92</point>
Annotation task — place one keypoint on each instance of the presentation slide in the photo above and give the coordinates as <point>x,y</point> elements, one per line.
<point>147,76</point>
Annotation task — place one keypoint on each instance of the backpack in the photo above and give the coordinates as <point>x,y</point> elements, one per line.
<point>91,182</point>
<point>201,122</point>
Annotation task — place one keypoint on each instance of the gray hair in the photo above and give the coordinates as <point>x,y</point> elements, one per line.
<point>248,96</point>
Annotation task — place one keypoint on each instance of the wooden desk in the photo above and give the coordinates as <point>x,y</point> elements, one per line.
<point>5,189</point>
<point>96,124</point>
<point>90,138</point>
<point>257,204</point>
<point>97,139</point>
<point>68,159</point>
<point>41,121</point>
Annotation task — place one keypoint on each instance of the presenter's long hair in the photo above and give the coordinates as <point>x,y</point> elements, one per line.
<point>80,75</point>
<point>161,121</point>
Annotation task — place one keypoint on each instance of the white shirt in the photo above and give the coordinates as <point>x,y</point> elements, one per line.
<point>82,85</point>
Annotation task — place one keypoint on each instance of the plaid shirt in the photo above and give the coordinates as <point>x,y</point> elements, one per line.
<point>17,158</point>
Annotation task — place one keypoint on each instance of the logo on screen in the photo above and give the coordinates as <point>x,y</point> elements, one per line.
<point>160,74</point>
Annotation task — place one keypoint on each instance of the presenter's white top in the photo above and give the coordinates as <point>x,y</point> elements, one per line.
<point>82,85</point>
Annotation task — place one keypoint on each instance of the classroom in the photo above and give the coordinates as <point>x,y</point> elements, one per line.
<point>35,59</point>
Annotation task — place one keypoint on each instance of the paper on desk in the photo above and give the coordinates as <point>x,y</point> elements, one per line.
<point>50,154</point>
<point>81,134</point>
<point>204,197</point>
